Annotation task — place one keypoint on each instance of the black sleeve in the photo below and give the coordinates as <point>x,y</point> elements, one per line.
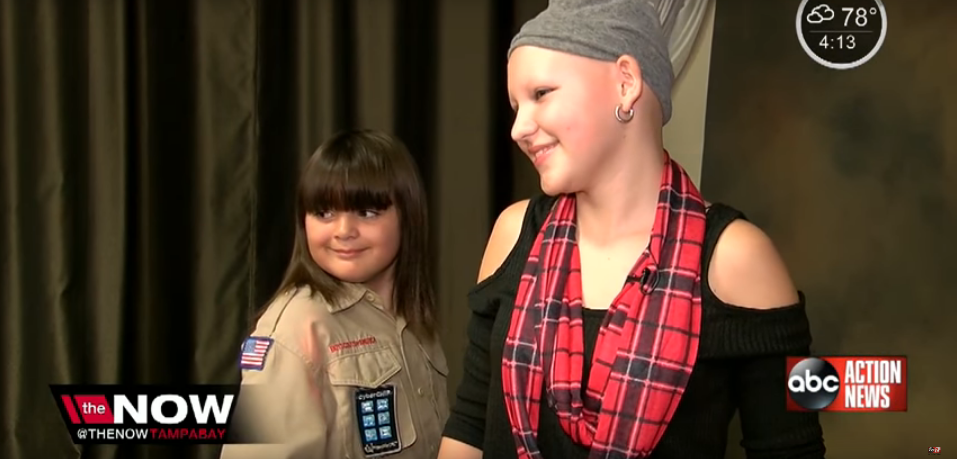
<point>467,418</point>
<point>770,430</point>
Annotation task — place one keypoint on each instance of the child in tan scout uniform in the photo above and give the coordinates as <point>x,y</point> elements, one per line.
<point>344,362</point>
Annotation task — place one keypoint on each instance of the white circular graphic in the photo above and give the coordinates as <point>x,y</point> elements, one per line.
<point>841,34</point>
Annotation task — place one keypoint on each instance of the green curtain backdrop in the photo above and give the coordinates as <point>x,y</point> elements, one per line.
<point>148,155</point>
<point>854,174</point>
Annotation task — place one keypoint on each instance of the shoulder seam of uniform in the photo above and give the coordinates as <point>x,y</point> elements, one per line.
<point>280,339</point>
<point>293,296</point>
<point>282,310</point>
<point>312,366</point>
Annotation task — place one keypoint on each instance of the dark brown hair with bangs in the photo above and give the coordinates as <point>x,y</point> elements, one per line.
<point>368,170</point>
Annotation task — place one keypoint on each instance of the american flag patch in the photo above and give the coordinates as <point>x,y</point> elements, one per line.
<point>254,353</point>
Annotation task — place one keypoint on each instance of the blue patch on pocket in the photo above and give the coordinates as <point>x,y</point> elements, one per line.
<point>375,413</point>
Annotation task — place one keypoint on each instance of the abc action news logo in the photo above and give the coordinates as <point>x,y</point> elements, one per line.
<point>847,383</point>
<point>190,414</point>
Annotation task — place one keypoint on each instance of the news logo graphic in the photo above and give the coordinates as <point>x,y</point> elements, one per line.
<point>847,383</point>
<point>150,414</point>
<point>933,450</point>
<point>841,34</point>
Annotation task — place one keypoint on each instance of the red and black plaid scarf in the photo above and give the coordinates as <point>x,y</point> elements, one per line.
<point>647,345</point>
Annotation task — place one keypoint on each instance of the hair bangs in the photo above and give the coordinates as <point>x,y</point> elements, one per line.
<point>367,170</point>
<point>343,184</point>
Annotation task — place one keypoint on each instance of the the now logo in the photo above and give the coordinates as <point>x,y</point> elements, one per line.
<point>164,409</point>
<point>200,406</point>
<point>813,383</point>
<point>156,406</point>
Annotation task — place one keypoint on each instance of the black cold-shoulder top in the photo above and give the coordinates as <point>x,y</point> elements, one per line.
<point>740,367</point>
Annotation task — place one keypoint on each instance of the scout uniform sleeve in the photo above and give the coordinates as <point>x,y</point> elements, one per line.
<point>279,412</point>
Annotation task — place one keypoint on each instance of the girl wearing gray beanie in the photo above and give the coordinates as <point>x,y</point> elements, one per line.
<point>619,314</point>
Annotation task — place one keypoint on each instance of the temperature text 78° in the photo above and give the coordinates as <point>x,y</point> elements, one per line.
<point>859,14</point>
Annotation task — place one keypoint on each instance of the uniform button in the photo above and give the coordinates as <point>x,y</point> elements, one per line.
<point>421,391</point>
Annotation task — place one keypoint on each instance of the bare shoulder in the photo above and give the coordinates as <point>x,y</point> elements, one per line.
<point>746,269</point>
<point>505,233</point>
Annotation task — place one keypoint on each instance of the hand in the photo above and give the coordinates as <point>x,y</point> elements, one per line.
<point>313,353</point>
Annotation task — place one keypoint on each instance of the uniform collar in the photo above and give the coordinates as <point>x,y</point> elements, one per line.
<point>350,295</point>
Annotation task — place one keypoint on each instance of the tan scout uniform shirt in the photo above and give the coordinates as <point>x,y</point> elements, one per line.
<point>339,381</point>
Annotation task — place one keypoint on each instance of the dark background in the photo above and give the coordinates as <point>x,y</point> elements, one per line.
<point>854,175</point>
<point>149,152</point>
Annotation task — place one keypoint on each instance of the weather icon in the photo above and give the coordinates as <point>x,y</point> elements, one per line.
<point>820,14</point>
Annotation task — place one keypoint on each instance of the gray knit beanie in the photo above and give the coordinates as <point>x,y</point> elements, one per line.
<point>606,30</point>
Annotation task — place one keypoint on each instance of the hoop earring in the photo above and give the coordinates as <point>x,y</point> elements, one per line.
<point>630,115</point>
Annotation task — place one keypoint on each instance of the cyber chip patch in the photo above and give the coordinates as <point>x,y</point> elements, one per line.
<point>375,413</point>
<point>254,353</point>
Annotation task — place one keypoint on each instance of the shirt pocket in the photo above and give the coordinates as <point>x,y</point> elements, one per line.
<point>362,373</point>
<point>439,373</point>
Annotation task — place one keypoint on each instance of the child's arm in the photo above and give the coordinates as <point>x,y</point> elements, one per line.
<point>279,404</point>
